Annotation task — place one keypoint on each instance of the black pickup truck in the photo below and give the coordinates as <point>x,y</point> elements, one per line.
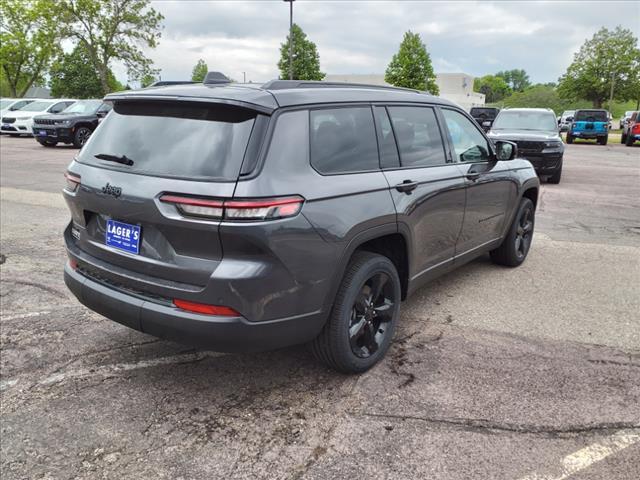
<point>74,125</point>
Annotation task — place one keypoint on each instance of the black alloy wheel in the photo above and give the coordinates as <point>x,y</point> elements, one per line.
<point>524,232</point>
<point>81,136</point>
<point>371,314</point>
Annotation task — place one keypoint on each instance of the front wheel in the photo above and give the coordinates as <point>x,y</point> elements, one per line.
<point>364,315</point>
<point>623,138</point>
<point>81,136</point>
<point>569,138</point>
<point>603,140</point>
<point>515,247</point>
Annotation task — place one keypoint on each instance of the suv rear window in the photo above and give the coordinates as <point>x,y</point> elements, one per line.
<point>343,140</point>
<point>173,139</point>
<point>591,116</point>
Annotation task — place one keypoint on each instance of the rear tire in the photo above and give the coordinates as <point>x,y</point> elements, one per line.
<point>623,138</point>
<point>362,322</point>
<point>603,140</point>
<point>629,141</point>
<point>516,245</point>
<point>569,138</point>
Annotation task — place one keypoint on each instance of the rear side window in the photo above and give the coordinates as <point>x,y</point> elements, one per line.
<point>173,139</point>
<point>343,140</point>
<point>418,136</point>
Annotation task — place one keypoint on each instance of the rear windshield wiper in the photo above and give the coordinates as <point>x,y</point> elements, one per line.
<point>114,158</point>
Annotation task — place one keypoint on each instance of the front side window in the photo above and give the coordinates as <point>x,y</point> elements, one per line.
<point>343,140</point>
<point>468,143</point>
<point>418,136</point>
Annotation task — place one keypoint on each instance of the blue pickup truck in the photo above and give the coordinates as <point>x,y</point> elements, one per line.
<point>588,125</point>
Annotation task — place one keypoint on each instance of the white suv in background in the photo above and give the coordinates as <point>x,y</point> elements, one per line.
<point>8,105</point>
<point>20,122</point>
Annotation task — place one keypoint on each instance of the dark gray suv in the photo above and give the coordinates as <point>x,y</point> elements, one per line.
<point>238,217</point>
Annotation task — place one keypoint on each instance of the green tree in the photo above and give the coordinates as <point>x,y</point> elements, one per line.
<point>199,71</point>
<point>493,87</point>
<point>114,30</point>
<point>542,96</point>
<point>30,34</point>
<point>411,66</point>
<point>73,75</point>
<point>604,67</point>
<point>147,79</point>
<point>306,60</point>
<point>517,79</point>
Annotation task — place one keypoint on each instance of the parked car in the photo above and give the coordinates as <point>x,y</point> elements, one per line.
<point>256,217</point>
<point>73,125</point>
<point>625,118</point>
<point>9,105</point>
<point>565,120</point>
<point>20,122</point>
<point>631,130</point>
<point>535,132</point>
<point>484,116</point>
<point>590,124</point>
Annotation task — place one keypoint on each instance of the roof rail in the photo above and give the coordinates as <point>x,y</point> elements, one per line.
<point>216,78</point>
<point>287,84</point>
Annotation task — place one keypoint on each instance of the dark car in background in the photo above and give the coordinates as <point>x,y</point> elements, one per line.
<point>590,124</point>
<point>631,129</point>
<point>243,218</point>
<point>74,125</point>
<point>484,116</point>
<point>535,131</point>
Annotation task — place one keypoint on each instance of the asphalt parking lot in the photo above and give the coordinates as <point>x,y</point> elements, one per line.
<point>528,373</point>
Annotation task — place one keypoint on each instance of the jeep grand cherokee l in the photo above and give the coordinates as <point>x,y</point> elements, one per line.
<point>535,131</point>
<point>73,125</point>
<point>243,218</point>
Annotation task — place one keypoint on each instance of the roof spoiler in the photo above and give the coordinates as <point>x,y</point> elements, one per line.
<point>216,78</point>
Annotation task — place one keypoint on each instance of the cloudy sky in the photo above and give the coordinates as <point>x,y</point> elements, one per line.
<point>360,36</point>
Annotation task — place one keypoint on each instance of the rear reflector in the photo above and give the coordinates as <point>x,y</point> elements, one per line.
<point>73,264</point>
<point>253,209</point>
<point>73,181</point>
<point>206,309</point>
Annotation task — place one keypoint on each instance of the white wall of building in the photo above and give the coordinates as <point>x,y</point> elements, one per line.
<point>455,87</point>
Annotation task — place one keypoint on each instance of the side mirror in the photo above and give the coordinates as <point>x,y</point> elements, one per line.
<point>506,150</point>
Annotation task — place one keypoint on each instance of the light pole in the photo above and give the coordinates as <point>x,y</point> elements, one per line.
<point>290,38</point>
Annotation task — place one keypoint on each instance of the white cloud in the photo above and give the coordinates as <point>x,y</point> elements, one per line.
<point>360,37</point>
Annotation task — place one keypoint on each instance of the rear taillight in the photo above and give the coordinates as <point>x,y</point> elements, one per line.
<point>237,210</point>
<point>72,182</point>
<point>636,129</point>
<point>205,308</point>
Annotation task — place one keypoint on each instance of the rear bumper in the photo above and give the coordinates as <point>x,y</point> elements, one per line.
<point>589,135</point>
<point>222,334</point>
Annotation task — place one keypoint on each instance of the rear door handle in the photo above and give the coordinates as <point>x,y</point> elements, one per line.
<point>406,186</point>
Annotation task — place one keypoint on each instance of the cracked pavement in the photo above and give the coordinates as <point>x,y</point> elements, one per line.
<point>495,373</point>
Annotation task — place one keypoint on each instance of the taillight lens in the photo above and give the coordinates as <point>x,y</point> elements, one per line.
<point>205,308</point>
<point>636,128</point>
<point>237,210</point>
<point>72,182</point>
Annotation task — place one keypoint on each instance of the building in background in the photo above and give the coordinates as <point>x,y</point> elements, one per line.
<point>456,87</point>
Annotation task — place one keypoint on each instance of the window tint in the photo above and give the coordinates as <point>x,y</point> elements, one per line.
<point>418,136</point>
<point>468,143</point>
<point>173,139</point>
<point>388,150</point>
<point>343,140</point>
